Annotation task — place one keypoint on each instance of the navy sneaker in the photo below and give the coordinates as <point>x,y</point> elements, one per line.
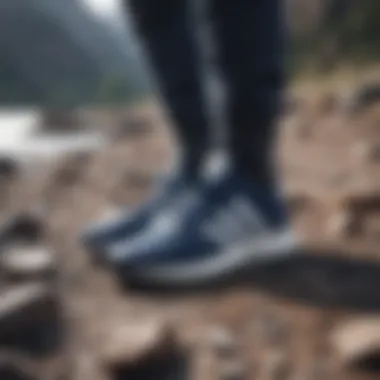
<point>209,233</point>
<point>108,231</point>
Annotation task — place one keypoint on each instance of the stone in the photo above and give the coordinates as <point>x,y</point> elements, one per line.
<point>16,368</point>
<point>222,341</point>
<point>291,104</point>
<point>134,126</point>
<point>28,262</point>
<point>277,366</point>
<point>9,168</point>
<point>368,150</point>
<point>234,371</point>
<point>328,104</point>
<point>365,96</point>
<point>357,343</point>
<point>25,227</point>
<point>298,202</point>
<point>338,179</point>
<point>71,169</point>
<point>61,121</point>
<point>343,224</point>
<point>130,343</point>
<point>24,306</point>
<point>142,350</point>
<point>273,330</point>
<point>304,130</point>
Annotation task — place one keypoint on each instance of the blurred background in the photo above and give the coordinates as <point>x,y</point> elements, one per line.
<point>86,135</point>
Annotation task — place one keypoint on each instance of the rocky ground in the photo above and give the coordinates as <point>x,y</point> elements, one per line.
<point>313,316</point>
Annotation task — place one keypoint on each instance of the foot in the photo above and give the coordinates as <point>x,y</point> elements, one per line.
<point>211,233</point>
<point>109,231</point>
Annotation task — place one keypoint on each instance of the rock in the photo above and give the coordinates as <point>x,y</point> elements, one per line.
<point>134,126</point>
<point>138,179</point>
<point>319,369</point>
<point>16,368</point>
<point>328,104</point>
<point>344,223</point>
<point>368,150</point>
<point>365,96</point>
<point>277,366</point>
<point>357,343</point>
<point>338,179</point>
<point>136,342</point>
<point>61,121</point>
<point>304,129</point>
<point>24,306</point>
<point>273,330</point>
<point>145,350</point>
<point>363,203</point>
<point>234,371</point>
<point>222,341</point>
<point>9,168</point>
<point>28,262</point>
<point>290,105</point>
<point>297,202</point>
<point>25,227</point>
<point>71,169</point>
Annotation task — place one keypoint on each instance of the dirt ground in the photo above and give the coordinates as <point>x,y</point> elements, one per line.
<point>278,323</point>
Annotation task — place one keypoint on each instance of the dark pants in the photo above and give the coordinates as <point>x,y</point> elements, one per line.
<point>250,36</point>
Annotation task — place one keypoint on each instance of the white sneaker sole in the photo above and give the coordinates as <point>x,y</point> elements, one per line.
<point>264,248</point>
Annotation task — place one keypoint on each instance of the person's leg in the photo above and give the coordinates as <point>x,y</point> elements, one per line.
<point>239,219</point>
<point>165,27</point>
<point>250,35</point>
<point>166,30</point>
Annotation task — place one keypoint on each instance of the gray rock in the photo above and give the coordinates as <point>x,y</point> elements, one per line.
<point>24,227</point>
<point>24,306</point>
<point>357,342</point>
<point>9,168</point>
<point>234,371</point>
<point>365,96</point>
<point>277,366</point>
<point>129,343</point>
<point>15,367</point>
<point>28,262</point>
<point>223,341</point>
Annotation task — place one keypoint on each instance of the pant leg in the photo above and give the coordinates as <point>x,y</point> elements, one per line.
<point>250,35</point>
<point>165,27</point>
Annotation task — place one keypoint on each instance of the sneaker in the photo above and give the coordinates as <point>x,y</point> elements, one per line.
<point>212,232</point>
<point>108,231</point>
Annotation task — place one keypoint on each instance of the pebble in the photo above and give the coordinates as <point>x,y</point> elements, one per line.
<point>273,330</point>
<point>134,342</point>
<point>8,168</point>
<point>328,104</point>
<point>36,301</point>
<point>16,368</point>
<point>26,262</point>
<point>304,130</point>
<point>134,127</point>
<point>357,341</point>
<point>297,202</point>
<point>233,371</point>
<point>277,366</point>
<point>343,224</point>
<point>223,341</point>
<point>367,150</point>
<point>365,96</point>
<point>26,227</point>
